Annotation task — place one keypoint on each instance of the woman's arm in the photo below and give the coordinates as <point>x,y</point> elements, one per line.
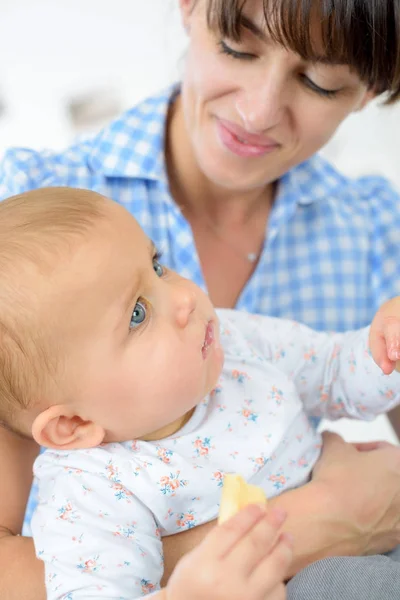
<point>394,417</point>
<point>351,507</point>
<point>21,574</point>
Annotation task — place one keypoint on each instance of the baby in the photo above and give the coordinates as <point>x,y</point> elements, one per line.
<point>116,365</point>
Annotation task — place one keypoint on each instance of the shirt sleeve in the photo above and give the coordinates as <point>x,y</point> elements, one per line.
<point>384,218</point>
<point>96,538</point>
<point>334,374</point>
<point>21,170</point>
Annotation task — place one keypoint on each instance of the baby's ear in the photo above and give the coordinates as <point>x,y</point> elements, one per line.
<point>60,428</point>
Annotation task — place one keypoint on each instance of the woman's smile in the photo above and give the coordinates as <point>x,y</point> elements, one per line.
<point>242,143</point>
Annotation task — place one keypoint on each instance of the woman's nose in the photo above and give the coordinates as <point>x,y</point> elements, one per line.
<point>261,106</point>
<point>184,303</point>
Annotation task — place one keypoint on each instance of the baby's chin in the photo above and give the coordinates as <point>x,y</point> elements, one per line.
<point>219,359</point>
<point>217,365</point>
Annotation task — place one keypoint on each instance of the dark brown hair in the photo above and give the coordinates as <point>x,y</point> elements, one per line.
<point>364,34</point>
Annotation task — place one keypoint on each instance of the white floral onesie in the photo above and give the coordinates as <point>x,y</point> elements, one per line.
<point>103,512</point>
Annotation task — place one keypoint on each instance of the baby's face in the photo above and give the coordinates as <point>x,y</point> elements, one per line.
<point>144,342</point>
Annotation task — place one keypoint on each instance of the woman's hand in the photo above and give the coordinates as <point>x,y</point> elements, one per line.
<point>364,478</point>
<point>246,557</point>
<point>351,507</point>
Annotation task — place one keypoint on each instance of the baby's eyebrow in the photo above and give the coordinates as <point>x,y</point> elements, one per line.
<point>130,295</point>
<point>132,291</point>
<point>153,249</point>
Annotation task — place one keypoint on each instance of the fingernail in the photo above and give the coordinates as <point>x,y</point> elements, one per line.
<point>393,347</point>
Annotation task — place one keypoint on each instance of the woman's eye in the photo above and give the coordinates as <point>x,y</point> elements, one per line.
<point>319,90</point>
<point>138,315</point>
<point>158,268</point>
<point>225,49</point>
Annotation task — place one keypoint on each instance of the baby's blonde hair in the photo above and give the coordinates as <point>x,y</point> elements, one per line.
<point>36,229</point>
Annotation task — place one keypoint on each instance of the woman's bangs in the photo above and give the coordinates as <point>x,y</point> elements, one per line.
<point>364,34</point>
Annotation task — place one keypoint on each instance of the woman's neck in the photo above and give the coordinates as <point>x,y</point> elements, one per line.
<point>198,196</point>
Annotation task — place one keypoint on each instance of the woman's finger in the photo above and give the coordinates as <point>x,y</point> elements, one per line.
<point>333,445</point>
<point>370,446</point>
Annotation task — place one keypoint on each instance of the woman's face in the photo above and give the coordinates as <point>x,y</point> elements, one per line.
<point>252,109</point>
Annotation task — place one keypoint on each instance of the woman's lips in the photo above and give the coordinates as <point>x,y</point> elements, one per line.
<point>240,142</point>
<point>208,339</point>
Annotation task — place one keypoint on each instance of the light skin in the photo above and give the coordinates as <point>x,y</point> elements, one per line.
<point>134,317</point>
<point>268,92</point>
<point>318,511</point>
<point>128,333</point>
<point>129,325</point>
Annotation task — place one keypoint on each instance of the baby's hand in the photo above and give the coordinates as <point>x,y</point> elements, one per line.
<point>384,337</point>
<point>246,557</point>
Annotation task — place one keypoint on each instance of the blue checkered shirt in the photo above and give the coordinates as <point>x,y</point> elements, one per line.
<point>332,247</point>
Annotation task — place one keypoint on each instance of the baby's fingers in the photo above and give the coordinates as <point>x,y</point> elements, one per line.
<point>385,343</point>
<point>224,538</point>
<point>391,331</point>
<point>273,569</point>
<point>391,352</point>
<point>257,543</point>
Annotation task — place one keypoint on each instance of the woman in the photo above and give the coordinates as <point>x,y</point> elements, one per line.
<point>222,174</point>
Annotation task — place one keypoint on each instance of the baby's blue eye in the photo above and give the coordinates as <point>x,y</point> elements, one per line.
<point>138,315</point>
<point>158,268</point>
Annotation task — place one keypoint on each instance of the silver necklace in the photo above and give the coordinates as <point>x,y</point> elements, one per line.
<point>251,257</point>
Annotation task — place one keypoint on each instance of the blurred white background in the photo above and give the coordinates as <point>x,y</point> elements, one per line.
<point>53,53</point>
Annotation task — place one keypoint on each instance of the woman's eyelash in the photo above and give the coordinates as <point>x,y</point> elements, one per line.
<point>225,49</point>
<point>319,90</point>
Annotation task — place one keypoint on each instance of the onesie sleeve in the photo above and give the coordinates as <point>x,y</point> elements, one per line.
<point>94,535</point>
<point>334,373</point>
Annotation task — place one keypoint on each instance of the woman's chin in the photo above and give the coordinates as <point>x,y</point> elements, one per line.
<point>234,173</point>
<point>234,177</point>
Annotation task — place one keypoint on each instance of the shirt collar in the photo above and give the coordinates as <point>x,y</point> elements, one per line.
<point>310,181</point>
<point>133,145</point>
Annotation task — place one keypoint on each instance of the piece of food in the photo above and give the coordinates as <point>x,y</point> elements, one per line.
<point>236,494</point>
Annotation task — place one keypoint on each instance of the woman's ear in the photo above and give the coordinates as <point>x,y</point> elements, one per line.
<point>186,7</point>
<point>60,428</point>
<point>366,99</point>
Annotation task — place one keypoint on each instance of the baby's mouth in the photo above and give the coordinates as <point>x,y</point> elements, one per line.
<point>208,339</point>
